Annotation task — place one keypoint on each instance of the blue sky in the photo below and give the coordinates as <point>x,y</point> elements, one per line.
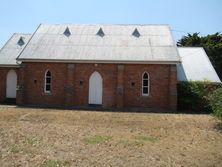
<point>204,16</point>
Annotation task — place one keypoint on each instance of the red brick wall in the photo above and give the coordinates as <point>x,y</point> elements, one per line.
<point>159,86</point>
<point>34,76</point>
<point>3,75</point>
<point>66,87</point>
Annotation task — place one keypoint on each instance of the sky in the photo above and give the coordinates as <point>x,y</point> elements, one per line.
<point>183,16</point>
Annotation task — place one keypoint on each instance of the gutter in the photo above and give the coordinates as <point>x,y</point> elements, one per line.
<point>9,66</point>
<point>98,61</point>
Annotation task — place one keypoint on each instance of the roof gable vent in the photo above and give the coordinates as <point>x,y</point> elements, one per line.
<point>67,32</point>
<point>21,41</point>
<point>100,33</point>
<point>136,33</point>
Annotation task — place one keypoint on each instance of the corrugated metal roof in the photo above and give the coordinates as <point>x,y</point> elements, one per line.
<point>155,43</point>
<point>12,49</point>
<point>195,65</point>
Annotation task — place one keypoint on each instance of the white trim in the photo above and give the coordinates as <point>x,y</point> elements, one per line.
<point>45,82</point>
<point>146,94</point>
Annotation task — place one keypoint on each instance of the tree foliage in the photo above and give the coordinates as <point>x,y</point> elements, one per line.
<point>212,45</point>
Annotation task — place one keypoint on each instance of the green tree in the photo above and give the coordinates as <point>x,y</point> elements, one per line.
<point>212,45</point>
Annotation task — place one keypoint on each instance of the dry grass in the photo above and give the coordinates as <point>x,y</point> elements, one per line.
<point>47,138</point>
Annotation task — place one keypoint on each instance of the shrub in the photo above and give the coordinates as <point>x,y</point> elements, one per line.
<point>215,100</point>
<point>193,95</point>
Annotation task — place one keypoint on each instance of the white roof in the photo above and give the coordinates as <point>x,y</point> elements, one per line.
<point>49,43</point>
<point>12,49</point>
<point>195,66</point>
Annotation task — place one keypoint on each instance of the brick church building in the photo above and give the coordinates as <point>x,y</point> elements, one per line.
<point>112,66</point>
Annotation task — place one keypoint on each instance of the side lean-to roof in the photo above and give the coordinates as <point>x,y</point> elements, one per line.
<point>10,51</point>
<point>195,66</point>
<point>50,42</point>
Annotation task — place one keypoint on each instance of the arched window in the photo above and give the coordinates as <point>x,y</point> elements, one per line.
<point>48,80</point>
<point>145,84</point>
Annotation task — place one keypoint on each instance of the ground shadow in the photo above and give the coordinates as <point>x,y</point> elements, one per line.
<point>99,108</point>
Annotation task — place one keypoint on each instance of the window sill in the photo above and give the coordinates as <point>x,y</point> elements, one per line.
<point>147,96</point>
<point>47,93</point>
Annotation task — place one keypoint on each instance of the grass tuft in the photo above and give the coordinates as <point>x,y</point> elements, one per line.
<point>34,141</point>
<point>146,138</point>
<point>15,149</point>
<point>54,163</point>
<point>97,139</point>
<point>139,140</point>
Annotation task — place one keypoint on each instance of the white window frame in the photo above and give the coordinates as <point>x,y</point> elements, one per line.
<point>146,94</point>
<point>45,82</point>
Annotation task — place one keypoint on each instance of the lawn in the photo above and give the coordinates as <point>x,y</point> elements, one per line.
<point>47,138</point>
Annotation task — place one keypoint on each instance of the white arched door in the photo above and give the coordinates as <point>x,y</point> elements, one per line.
<point>95,88</point>
<point>11,83</point>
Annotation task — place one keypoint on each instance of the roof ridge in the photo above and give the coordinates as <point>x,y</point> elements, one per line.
<point>105,24</point>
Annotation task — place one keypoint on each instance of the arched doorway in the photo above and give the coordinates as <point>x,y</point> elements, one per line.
<point>11,83</point>
<point>95,88</point>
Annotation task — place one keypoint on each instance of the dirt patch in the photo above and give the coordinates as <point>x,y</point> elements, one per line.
<point>41,137</point>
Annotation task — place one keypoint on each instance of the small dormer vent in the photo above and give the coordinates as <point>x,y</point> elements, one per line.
<point>67,32</point>
<point>100,33</point>
<point>136,33</point>
<point>21,41</point>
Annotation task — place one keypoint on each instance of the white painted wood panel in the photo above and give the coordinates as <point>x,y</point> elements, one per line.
<point>95,88</point>
<point>11,84</point>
